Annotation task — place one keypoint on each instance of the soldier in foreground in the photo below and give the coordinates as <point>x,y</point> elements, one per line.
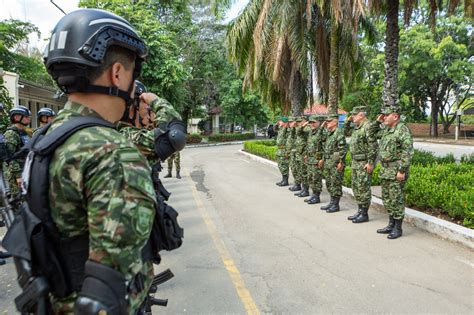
<point>314,154</point>
<point>282,155</point>
<point>98,204</point>
<point>335,150</point>
<point>396,151</point>
<point>363,148</point>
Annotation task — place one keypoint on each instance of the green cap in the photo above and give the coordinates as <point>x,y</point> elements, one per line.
<point>299,118</point>
<point>321,117</point>
<point>284,119</point>
<point>291,118</point>
<point>389,110</point>
<point>359,109</point>
<point>332,116</point>
<point>313,118</point>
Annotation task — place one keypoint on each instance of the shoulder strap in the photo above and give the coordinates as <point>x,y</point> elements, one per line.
<point>48,143</point>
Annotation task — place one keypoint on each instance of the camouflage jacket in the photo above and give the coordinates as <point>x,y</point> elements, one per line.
<point>363,143</point>
<point>14,142</point>
<point>315,146</point>
<point>335,147</point>
<point>164,111</point>
<point>101,185</point>
<point>396,147</point>
<point>300,141</point>
<point>290,140</point>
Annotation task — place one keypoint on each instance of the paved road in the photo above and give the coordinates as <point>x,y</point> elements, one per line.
<point>251,246</point>
<point>443,149</point>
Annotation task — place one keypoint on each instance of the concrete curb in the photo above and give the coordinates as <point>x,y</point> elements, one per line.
<point>441,228</point>
<point>212,144</point>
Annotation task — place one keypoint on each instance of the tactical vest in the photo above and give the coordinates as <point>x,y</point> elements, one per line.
<point>34,235</point>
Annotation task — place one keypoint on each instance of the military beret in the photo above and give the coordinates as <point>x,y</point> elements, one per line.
<point>332,116</point>
<point>359,109</point>
<point>389,110</point>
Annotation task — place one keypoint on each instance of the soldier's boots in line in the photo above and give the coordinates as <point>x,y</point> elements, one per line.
<point>326,207</point>
<point>314,199</point>
<point>178,176</point>
<point>283,182</point>
<point>397,230</point>
<point>295,187</point>
<point>363,215</point>
<point>393,229</point>
<point>304,192</point>
<point>355,215</point>
<point>334,207</point>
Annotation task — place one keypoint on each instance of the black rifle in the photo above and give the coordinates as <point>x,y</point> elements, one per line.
<point>35,289</point>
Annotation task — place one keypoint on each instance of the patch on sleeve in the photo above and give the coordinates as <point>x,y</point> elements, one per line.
<point>130,155</point>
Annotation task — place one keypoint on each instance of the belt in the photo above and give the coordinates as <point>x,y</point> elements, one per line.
<point>390,164</point>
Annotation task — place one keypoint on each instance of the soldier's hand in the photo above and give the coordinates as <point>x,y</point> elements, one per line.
<point>400,176</point>
<point>305,159</point>
<point>148,97</point>
<point>323,124</point>
<point>321,163</point>
<point>380,117</point>
<point>350,118</point>
<point>19,181</point>
<point>340,167</point>
<point>369,168</point>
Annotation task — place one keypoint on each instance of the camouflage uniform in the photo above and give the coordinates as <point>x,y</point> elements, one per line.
<point>14,167</point>
<point>282,155</point>
<point>176,157</point>
<point>315,154</point>
<point>291,149</point>
<point>396,151</point>
<point>335,150</point>
<point>101,185</point>
<point>300,143</point>
<point>305,167</point>
<point>363,148</point>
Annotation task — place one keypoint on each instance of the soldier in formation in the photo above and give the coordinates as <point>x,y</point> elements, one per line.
<point>282,155</point>
<point>363,148</point>
<point>314,154</point>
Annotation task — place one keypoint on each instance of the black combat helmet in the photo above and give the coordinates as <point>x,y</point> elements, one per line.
<point>47,112</point>
<point>20,110</point>
<point>80,42</point>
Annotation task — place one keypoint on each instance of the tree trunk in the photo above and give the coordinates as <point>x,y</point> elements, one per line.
<point>297,93</point>
<point>392,37</point>
<point>333,70</point>
<point>434,114</point>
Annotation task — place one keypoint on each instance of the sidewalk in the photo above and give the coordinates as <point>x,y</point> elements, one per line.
<point>468,142</point>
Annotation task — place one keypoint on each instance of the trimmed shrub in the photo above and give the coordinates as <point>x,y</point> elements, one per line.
<point>467,158</point>
<point>261,148</point>
<point>423,157</point>
<point>226,137</point>
<point>193,138</point>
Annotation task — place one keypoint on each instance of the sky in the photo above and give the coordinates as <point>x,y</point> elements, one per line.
<point>45,15</point>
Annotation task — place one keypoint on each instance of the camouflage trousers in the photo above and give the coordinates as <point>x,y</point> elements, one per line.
<point>304,173</point>
<point>393,195</point>
<point>294,167</point>
<point>361,181</point>
<point>300,169</point>
<point>176,157</point>
<point>283,163</point>
<point>333,179</point>
<point>315,178</point>
<point>10,178</point>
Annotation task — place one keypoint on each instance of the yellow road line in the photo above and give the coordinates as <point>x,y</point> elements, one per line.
<point>229,264</point>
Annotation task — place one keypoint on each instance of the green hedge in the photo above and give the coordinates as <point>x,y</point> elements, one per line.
<point>435,183</point>
<point>261,148</point>
<point>193,138</point>
<point>225,137</point>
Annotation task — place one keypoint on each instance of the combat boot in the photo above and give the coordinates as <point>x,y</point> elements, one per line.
<point>169,174</point>
<point>177,175</point>
<point>295,187</point>
<point>325,207</point>
<point>363,216</point>
<point>2,262</point>
<point>279,183</point>
<point>304,192</point>
<point>335,206</point>
<point>355,215</point>
<point>389,227</point>
<point>284,182</point>
<point>315,199</point>
<point>397,230</point>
